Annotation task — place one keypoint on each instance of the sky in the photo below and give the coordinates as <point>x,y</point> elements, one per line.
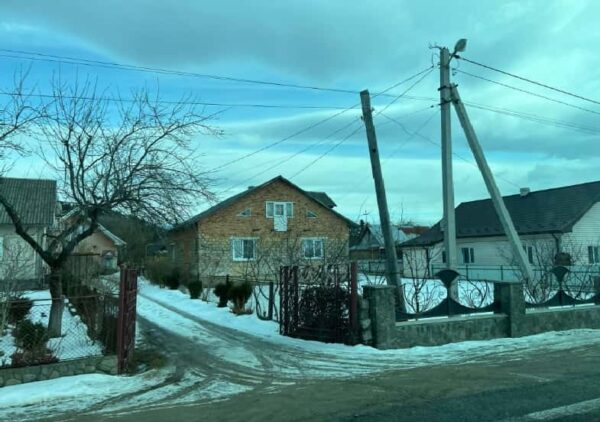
<point>346,45</point>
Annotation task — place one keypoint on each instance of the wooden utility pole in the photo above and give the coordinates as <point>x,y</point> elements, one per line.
<point>449,220</point>
<point>392,273</point>
<point>492,188</point>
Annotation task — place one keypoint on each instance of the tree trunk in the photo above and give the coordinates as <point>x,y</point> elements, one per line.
<point>56,309</point>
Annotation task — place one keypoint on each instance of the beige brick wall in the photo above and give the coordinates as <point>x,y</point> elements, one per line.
<point>213,237</point>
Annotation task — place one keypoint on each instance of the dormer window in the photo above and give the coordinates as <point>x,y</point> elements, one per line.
<point>245,213</point>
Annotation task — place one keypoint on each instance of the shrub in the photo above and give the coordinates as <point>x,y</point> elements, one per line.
<point>322,312</point>
<point>239,295</point>
<point>173,280</point>
<point>31,336</point>
<point>222,292</point>
<point>195,288</point>
<point>28,358</point>
<point>158,269</point>
<point>18,309</point>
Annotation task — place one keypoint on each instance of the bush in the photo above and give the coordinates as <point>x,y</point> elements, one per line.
<point>173,280</point>
<point>28,358</point>
<point>30,336</point>
<point>222,292</point>
<point>18,309</point>
<point>158,269</point>
<point>195,288</point>
<point>322,313</point>
<point>239,295</point>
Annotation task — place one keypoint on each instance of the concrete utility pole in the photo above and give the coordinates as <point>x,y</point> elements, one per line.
<point>492,188</point>
<point>392,273</point>
<point>449,220</point>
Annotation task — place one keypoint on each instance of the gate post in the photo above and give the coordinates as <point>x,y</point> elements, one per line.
<point>127,316</point>
<point>354,299</point>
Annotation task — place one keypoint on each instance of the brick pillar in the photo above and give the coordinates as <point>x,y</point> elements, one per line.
<point>510,301</point>
<point>382,311</point>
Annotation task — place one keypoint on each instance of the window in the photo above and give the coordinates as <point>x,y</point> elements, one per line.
<point>594,254</point>
<point>243,248</point>
<point>529,252</point>
<point>312,248</point>
<point>468,255</point>
<point>279,209</point>
<point>246,213</point>
<point>311,214</point>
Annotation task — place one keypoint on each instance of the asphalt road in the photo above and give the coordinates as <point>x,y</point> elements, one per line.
<point>563,386</point>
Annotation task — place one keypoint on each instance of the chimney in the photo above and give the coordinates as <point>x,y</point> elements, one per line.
<point>524,192</point>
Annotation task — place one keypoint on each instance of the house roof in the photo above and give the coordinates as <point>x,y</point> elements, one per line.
<point>319,197</point>
<point>377,233</point>
<point>34,200</point>
<point>553,210</point>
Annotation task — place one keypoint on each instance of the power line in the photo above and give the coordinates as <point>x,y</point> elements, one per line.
<point>26,55</point>
<point>178,102</point>
<point>316,124</point>
<point>379,112</point>
<point>543,85</point>
<point>527,92</point>
<point>563,124</point>
<point>334,146</point>
<point>439,145</point>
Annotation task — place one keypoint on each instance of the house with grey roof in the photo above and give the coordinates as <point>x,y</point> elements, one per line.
<point>558,222</point>
<point>370,244</point>
<point>34,200</point>
<point>263,226</point>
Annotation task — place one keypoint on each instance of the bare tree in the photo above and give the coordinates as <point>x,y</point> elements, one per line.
<point>421,290</point>
<point>132,157</point>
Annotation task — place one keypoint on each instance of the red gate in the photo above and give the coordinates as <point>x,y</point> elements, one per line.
<point>127,315</point>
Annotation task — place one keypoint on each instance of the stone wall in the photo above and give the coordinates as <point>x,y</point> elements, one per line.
<point>512,319</point>
<point>102,364</point>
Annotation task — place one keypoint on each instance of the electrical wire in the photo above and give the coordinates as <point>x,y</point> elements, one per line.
<point>316,124</point>
<point>439,145</point>
<point>543,85</point>
<point>514,88</point>
<point>26,55</point>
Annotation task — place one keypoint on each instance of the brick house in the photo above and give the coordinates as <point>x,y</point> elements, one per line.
<point>254,232</point>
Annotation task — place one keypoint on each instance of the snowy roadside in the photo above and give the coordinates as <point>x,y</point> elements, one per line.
<point>359,358</point>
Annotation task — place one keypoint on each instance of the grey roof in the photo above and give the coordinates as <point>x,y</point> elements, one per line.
<point>546,211</point>
<point>320,197</point>
<point>323,198</point>
<point>376,239</point>
<point>33,199</point>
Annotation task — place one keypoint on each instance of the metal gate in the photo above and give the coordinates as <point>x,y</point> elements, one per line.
<point>127,316</point>
<point>319,302</point>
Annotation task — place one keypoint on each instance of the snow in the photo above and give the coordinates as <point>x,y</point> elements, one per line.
<point>73,344</point>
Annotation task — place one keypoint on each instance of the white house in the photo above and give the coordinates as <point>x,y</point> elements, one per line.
<point>550,222</point>
<point>34,201</point>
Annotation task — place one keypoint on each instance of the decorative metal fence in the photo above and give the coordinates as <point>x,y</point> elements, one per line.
<point>563,286</point>
<point>319,302</point>
<point>450,294</point>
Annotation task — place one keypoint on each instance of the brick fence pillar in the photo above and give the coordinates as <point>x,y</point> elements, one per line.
<point>510,301</point>
<point>382,311</point>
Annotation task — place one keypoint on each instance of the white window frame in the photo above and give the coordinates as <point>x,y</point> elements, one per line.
<point>313,240</point>
<point>288,208</point>
<point>243,239</point>
<point>529,252</point>
<point>470,255</point>
<point>594,254</point>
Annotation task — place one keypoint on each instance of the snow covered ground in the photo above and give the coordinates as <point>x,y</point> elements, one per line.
<point>216,354</point>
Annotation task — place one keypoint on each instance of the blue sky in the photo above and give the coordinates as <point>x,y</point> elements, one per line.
<point>347,45</point>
